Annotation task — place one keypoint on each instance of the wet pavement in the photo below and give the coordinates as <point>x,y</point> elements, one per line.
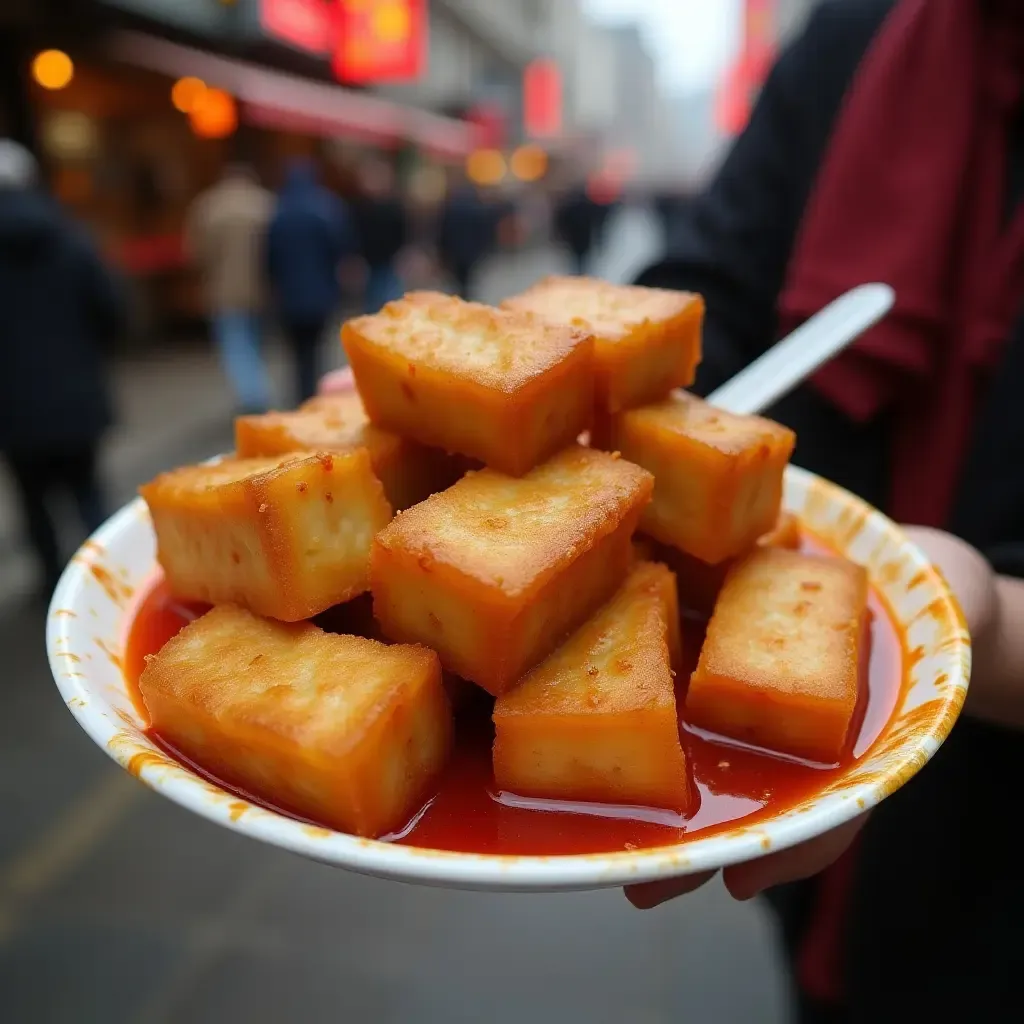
<point>117,906</point>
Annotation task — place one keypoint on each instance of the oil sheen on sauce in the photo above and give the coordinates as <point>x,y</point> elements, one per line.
<point>735,784</point>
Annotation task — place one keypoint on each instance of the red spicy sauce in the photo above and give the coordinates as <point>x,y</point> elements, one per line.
<point>466,814</point>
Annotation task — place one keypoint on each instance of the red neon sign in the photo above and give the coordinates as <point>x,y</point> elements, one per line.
<point>380,40</point>
<point>542,98</point>
<point>309,25</point>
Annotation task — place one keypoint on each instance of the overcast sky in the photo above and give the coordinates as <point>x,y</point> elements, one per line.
<point>692,40</point>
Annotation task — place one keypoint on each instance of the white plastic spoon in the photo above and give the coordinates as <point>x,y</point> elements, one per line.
<point>792,360</point>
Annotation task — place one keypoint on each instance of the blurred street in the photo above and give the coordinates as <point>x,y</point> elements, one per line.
<point>117,906</point>
<point>173,407</point>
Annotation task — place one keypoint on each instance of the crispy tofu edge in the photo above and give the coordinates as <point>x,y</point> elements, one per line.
<point>362,349</point>
<point>485,591</point>
<point>257,731</point>
<point>725,683</point>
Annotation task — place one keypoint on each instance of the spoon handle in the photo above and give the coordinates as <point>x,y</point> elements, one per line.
<point>793,359</point>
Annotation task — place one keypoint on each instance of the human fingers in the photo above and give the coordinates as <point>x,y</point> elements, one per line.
<point>648,895</point>
<point>744,881</point>
<point>337,380</point>
<point>965,569</point>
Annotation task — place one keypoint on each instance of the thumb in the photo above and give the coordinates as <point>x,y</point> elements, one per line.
<point>966,571</point>
<point>337,380</point>
<point>648,895</point>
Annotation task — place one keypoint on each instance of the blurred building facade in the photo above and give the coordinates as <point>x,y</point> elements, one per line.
<point>706,120</point>
<point>126,158</point>
<point>701,139</point>
<point>595,85</point>
<point>128,163</point>
<point>610,100</point>
<point>479,50</point>
<point>634,126</point>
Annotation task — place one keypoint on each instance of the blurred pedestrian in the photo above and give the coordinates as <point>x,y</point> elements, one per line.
<point>309,237</point>
<point>382,229</point>
<point>888,145</point>
<point>578,221</point>
<point>467,232</point>
<point>60,311</point>
<point>225,235</point>
<point>670,210</point>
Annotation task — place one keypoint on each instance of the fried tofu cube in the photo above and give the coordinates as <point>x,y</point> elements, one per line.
<point>345,731</point>
<point>646,340</point>
<point>409,472</point>
<point>596,721</point>
<point>717,476</point>
<point>700,583</point>
<point>494,572</point>
<point>506,388</point>
<point>285,536</point>
<point>355,618</point>
<point>459,691</point>
<point>644,549</point>
<point>785,657</point>
<point>352,618</point>
<point>784,534</point>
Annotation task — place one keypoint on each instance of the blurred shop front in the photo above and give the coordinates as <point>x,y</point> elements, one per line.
<point>163,93</point>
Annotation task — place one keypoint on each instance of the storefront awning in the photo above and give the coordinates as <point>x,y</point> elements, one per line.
<point>273,99</point>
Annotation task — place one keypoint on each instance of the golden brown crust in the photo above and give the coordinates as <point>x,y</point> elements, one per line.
<point>343,729</point>
<point>482,633</point>
<point>497,349</point>
<point>496,571</point>
<point>610,312</point>
<point>512,533</point>
<point>789,622</point>
<point>646,340</point>
<point>784,534</point>
<point>409,471</point>
<point>204,482</point>
<point>286,536</point>
<point>506,389</point>
<point>686,417</point>
<point>781,662</point>
<point>616,662</point>
<point>700,583</point>
<point>325,423</point>
<point>718,477</point>
<point>597,720</point>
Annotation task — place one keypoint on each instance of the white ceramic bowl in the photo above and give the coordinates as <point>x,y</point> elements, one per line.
<point>91,611</point>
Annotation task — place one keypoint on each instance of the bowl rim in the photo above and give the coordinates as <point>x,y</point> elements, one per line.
<point>822,811</point>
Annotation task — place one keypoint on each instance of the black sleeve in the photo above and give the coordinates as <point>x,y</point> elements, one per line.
<point>733,244</point>
<point>1007,559</point>
<point>102,294</point>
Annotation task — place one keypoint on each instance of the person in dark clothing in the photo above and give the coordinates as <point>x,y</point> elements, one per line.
<point>578,223</point>
<point>466,233</point>
<point>670,209</point>
<point>888,144</point>
<point>309,236</point>
<point>60,309</point>
<point>382,229</point>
